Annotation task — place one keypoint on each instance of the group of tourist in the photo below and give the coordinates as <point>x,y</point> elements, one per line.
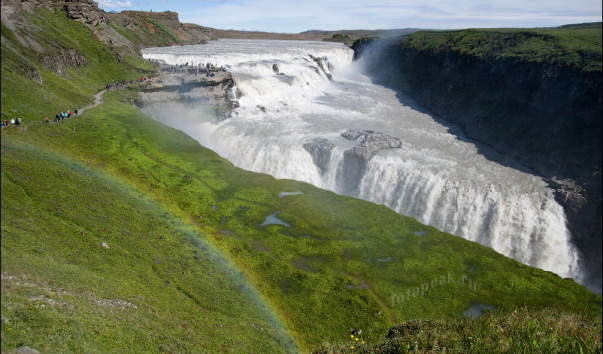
<point>6,123</point>
<point>126,83</point>
<point>68,114</point>
<point>60,116</point>
<point>208,69</point>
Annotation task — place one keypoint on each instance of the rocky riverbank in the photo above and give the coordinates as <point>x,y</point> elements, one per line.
<point>206,86</point>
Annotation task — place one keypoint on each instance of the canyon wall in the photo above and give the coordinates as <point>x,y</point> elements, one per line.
<point>511,92</point>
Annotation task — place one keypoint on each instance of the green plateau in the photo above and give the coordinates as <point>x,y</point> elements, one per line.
<point>571,45</point>
<point>120,234</point>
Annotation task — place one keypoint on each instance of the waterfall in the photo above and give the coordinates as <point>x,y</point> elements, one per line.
<point>529,226</point>
<point>296,100</point>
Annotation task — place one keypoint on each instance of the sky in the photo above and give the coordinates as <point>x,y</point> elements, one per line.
<point>294,16</point>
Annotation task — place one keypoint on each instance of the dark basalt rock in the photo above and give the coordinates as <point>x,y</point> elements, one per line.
<point>320,149</point>
<point>372,140</point>
<point>84,10</point>
<point>356,159</point>
<point>64,58</point>
<point>320,62</point>
<point>569,193</point>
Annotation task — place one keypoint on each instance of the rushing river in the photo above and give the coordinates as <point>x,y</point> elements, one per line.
<point>289,124</point>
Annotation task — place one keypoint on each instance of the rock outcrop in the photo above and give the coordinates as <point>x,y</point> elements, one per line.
<point>356,159</point>
<point>168,18</point>
<point>185,33</point>
<point>192,86</point>
<point>321,64</point>
<point>86,11</point>
<point>320,149</point>
<point>64,58</point>
<point>371,142</point>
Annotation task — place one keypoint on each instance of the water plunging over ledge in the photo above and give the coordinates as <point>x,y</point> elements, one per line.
<point>296,98</point>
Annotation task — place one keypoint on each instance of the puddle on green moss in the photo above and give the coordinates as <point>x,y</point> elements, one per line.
<point>476,310</point>
<point>272,219</point>
<point>284,194</point>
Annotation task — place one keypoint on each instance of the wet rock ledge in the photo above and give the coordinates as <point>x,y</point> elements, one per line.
<point>184,84</point>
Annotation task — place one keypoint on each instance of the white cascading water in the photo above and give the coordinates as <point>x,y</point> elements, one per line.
<point>437,176</point>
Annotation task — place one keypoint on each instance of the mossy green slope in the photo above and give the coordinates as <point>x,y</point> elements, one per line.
<point>90,265</point>
<point>114,175</point>
<point>342,263</point>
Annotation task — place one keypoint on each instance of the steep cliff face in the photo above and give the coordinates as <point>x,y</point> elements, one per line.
<point>543,111</point>
<point>123,33</point>
<point>184,33</point>
<point>126,32</point>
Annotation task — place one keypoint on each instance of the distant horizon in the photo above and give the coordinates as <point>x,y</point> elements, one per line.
<point>358,29</point>
<point>398,29</point>
<point>291,17</point>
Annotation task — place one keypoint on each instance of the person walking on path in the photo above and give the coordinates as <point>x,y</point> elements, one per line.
<point>98,99</point>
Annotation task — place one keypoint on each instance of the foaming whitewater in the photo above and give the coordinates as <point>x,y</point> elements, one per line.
<point>291,93</point>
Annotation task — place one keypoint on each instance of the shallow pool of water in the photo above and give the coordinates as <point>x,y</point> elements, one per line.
<point>387,259</point>
<point>272,219</point>
<point>475,310</point>
<point>284,194</point>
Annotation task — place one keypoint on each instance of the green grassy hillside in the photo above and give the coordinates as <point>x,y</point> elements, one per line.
<point>40,79</point>
<point>120,234</point>
<point>572,45</point>
<point>343,263</point>
<point>517,331</point>
<point>91,265</point>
